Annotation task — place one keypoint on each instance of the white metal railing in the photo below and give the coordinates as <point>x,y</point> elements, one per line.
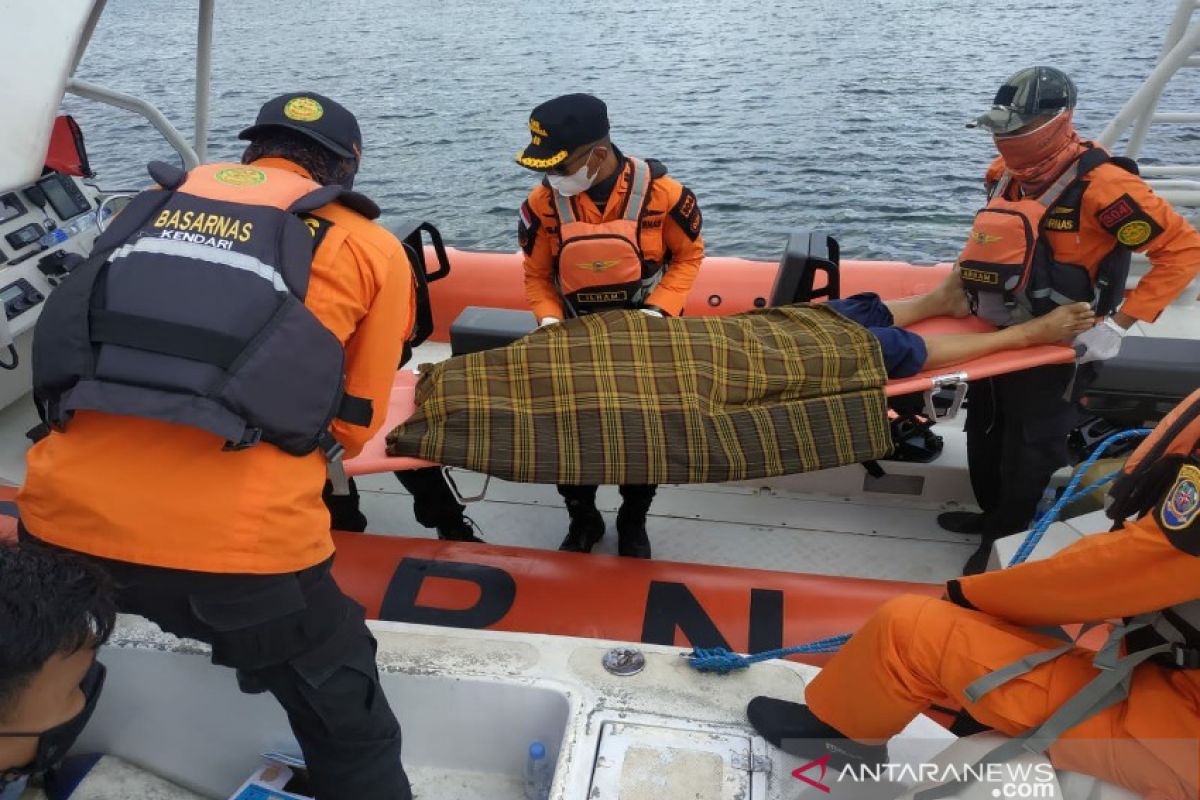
<point>197,151</point>
<point>1178,183</point>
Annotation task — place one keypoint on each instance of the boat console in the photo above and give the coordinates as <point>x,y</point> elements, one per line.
<point>47,227</point>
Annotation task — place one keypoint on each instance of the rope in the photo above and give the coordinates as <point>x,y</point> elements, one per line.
<point>722,662</point>
<point>1071,494</point>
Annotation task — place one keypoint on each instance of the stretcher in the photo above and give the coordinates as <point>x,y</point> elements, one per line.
<point>374,458</point>
<point>810,269</point>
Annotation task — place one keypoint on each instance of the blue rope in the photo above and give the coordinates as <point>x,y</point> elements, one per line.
<point>722,662</point>
<point>1071,494</point>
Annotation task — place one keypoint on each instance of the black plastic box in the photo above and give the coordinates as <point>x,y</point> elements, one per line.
<point>478,328</point>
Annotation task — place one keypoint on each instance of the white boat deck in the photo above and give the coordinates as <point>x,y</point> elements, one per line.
<point>470,702</point>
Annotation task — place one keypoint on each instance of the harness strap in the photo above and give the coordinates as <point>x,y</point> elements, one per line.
<point>1052,192</point>
<point>356,410</point>
<point>1107,689</point>
<point>634,202</point>
<point>335,468</point>
<point>636,199</point>
<point>168,338</point>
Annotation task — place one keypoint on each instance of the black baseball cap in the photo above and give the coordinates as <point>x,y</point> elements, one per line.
<point>1027,94</point>
<point>324,121</point>
<point>559,126</point>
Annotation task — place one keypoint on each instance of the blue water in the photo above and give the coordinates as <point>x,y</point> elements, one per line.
<point>846,115</point>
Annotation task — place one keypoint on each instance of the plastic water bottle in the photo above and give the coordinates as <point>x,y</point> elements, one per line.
<point>539,773</point>
<point>81,224</point>
<point>51,238</point>
<point>67,230</point>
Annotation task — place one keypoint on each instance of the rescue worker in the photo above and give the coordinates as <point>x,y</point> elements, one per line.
<point>243,307</point>
<point>602,231</point>
<point>1085,212</point>
<point>975,647</point>
<point>55,611</point>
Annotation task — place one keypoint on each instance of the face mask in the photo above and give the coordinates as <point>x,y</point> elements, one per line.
<point>53,744</point>
<point>1038,157</point>
<point>571,185</point>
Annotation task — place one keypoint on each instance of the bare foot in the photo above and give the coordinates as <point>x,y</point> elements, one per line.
<point>951,296</point>
<point>1060,325</point>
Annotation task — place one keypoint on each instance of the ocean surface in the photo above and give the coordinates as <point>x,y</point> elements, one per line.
<point>843,115</point>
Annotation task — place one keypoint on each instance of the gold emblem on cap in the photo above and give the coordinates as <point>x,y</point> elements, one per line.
<point>303,109</point>
<point>240,176</point>
<point>537,128</point>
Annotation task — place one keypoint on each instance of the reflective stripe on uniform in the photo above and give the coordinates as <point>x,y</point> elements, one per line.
<point>199,252</point>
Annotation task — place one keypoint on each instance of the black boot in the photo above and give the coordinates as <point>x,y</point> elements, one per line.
<point>794,729</point>
<point>978,562</point>
<point>632,540</point>
<point>968,522</point>
<point>460,530</point>
<point>344,511</point>
<point>587,527</point>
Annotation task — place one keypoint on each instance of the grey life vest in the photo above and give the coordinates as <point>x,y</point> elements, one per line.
<point>191,311</point>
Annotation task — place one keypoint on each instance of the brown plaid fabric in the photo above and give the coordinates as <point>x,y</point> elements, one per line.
<point>622,397</point>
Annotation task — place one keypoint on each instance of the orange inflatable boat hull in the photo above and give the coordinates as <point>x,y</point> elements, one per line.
<point>462,585</point>
<point>725,285</point>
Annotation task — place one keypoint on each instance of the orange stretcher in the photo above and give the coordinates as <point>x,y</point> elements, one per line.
<point>374,458</point>
<point>810,268</point>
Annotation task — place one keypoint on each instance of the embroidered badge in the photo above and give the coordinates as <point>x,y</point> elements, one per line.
<point>303,109</point>
<point>240,176</point>
<point>1183,501</point>
<point>1131,234</point>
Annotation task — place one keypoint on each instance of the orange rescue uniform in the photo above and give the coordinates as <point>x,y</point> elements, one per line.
<point>152,493</point>
<point>669,234</point>
<point>1118,207</point>
<point>916,652</point>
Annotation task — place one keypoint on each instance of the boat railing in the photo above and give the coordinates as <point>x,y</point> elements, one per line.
<point>1177,183</point>
<point>193,153</point>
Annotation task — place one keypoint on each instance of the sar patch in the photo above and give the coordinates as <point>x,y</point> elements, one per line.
<point>317,228</point>
<point>1128,222</point>
<point>1182,502</point>
<point>1131,234</point>
<point>686,214</point>
<point>527,227</point>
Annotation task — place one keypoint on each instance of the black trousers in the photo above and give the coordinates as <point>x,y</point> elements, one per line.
<point>1017,427</point>
<point>634,496</point>
<point>299,637</point>
<point>434,504</point>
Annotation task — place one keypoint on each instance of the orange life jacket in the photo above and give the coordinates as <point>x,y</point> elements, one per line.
<point>600,265</point>
<point>1009,268</point>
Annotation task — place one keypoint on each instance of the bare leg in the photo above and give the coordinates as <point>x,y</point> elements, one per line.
<point>1062,324</point>
<point>949,299</point>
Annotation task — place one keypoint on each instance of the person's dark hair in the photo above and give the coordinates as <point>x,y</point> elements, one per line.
<point>325,166</point>
<point>50,603</point>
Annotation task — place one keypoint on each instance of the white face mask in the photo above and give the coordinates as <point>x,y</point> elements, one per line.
<point>571,185</point>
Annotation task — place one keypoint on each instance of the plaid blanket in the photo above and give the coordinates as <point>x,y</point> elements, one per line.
<point>622,397</point>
